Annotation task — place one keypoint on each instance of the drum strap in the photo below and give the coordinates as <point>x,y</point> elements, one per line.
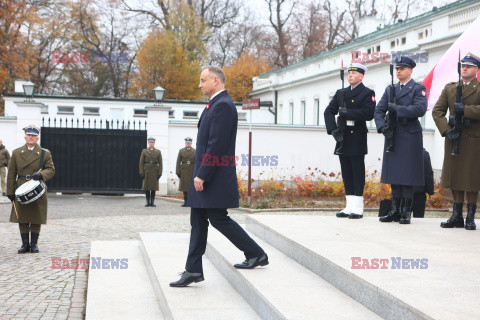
<point>42,158</point>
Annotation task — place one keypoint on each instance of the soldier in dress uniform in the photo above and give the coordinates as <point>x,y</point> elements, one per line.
<point>4,159</point>
<point>29,162</point>
<point>403,168</point>
<point>184,170</point>
<point>460,172</point>
<point>360,105</point>
<point>150,166</point>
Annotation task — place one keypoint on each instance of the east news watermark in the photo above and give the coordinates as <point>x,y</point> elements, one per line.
<point>93,262</point>
<point>209,160</point>
<point>388,57</point>
<point>394,263</point>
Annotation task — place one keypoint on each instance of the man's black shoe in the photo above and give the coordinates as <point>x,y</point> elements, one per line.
<point>342,214</point>
<point>187,278</point>
<point>252,263</point>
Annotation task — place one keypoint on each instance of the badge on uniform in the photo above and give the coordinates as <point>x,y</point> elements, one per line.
<point>373,98</point>
<point>208,106</point>
<point>424,94</point>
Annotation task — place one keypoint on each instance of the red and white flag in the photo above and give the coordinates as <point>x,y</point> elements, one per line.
<point>445,70</point>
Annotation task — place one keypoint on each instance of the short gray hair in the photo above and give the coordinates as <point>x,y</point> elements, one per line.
<point>217,72</point>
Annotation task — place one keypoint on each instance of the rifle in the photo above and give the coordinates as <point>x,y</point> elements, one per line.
<point>341,121</point>
<point>458,118</point>
<point>391,117</point>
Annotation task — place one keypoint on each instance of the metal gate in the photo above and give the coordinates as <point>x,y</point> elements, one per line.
<point>93,156</point>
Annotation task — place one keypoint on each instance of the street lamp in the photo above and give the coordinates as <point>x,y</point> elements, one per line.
<point>28,88</point>
<point>158,94</point>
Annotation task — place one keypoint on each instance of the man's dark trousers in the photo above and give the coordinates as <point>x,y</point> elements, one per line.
<point>220,220</point>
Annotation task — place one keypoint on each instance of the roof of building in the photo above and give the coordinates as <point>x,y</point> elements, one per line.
<point>387,30</point>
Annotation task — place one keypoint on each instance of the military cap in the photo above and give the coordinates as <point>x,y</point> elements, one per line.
<point>151,139</point>
<point>404,62</point>
<point>188,139</point>
<point>471,60</point>
<point>358,67</point>
<point>32,130</point>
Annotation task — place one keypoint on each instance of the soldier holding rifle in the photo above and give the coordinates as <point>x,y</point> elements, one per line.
<point>462,147</point>
<point>355,105</point>
<point>402,165</point>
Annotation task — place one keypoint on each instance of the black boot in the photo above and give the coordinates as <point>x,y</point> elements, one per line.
<point>456,220</point>
<point>406,211</point>
<point>470,221</point>
<point>33,243</point>
<point>25,245</point>
<point>147,195</point>
<point>394,214</point>
<point>185,195</point>
<point>152,198</point>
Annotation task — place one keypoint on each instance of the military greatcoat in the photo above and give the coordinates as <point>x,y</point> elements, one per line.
<point>184,170</point>
<point>150,166</point>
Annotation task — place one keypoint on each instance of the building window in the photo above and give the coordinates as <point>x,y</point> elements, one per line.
<point>44,109</point>
<point>378,48</point>
<point>404,40</point>
<point>190,114</point>
<point>290,120</point>
<point>65,110</point>
<point>316,111</point>
<point>426,33</point>
<point>420,35</point>
<point>171,114</point>
<point>302,112</point>
<point>139,113</point>
<point>369,51</point>
<point>242,116</point>
<point>392,44</point>
<point>91,111</point>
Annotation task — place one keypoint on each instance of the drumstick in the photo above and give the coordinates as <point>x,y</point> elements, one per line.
<point>35,172</point>
<point>15,207</point>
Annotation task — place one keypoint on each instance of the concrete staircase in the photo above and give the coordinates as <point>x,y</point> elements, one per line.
<point>310,275</point>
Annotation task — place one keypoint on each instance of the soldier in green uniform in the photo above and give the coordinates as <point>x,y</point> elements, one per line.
<point>150,171</point>
<point>185,161</point>
<point>4,159</point>
<point>460,172</point>
<point>24,166</point>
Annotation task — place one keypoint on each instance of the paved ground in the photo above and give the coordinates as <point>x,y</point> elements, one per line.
<point>31,289</point>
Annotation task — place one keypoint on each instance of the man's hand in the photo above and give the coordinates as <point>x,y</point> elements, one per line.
<point>337,135</point>
<point>387,132</point>
<point>37,176</point>
<point>459,108</point>
<point>198,183</point>
<point>11,197</point>
<point>452,134</point>
<point>342,112</point>
<point>5,164</point>
<point>142,176</point>
<point>392,107</point>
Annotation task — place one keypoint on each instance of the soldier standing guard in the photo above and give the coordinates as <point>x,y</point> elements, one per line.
<point>150,171</point>
<point>184,170</point>
<point>402,168</point>
<point>359,102</point>
<point>460,172</point>
<point>4,159</point>
<point>29,162</point>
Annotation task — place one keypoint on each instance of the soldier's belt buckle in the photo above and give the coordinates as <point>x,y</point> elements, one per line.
<point>350,122</point>
<point>28,177</point>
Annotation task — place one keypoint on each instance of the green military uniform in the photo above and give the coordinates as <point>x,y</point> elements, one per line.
<point>460,172</point>
<point>25,163</point>
<point>151,167</point>
<point>185,161</point>
<point>4,159</point>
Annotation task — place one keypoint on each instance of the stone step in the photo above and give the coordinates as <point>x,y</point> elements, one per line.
<point>329,245</point>
<point>214,298</point>
<point>115,293</point>
<point>283,289</point>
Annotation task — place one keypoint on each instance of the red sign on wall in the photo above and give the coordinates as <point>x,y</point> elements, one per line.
<point>248,104</point>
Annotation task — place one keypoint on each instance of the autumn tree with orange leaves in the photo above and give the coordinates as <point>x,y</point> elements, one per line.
<point>239,75</point>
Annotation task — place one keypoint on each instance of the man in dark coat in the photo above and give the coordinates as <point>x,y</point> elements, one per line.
<point>419,195</point>
<point>214,187</point>
<point>359,104</point>
<point>403,167</point>
<point>460,173</point>
<point>29,162</point>
<point>150,166</point>
<point>184,169</point>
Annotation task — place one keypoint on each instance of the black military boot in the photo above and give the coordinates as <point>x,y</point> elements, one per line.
<point>456,220</point>
<point>185,195</point>
<point>470,220</point>
<point>147,195</point>
<point>394,214</point>
<point>25,245</point>
<point>33,243</point>
<point>406,211</point>
<point>152,198</point>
